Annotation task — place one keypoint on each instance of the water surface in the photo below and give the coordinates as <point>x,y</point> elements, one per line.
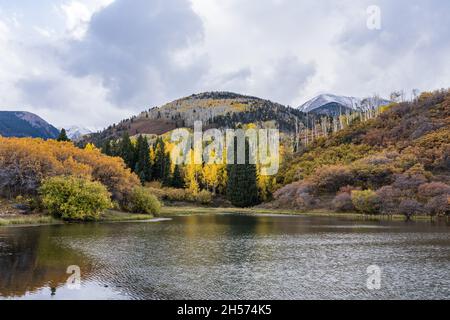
<point>227,256</point>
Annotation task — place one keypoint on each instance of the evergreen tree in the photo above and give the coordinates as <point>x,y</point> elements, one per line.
<point>126,151</point>
<point>166,178</point>
<point>107,148</point>
<point>161,167</point>
<point>242,188</point>
<point>157,163</point>
<point>177,179</point>
<point>143,166</point>
<point>63,136</point>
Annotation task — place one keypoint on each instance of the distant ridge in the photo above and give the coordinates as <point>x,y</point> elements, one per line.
<point>219,109</point>
<point>331,104</point>
<point>77,132</point>
<point>25,124</point>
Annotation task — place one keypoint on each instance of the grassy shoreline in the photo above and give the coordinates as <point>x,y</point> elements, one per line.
<point>118,216</point>
<point>28,220</point>
<point>41,219</point>
<point>168,210</point>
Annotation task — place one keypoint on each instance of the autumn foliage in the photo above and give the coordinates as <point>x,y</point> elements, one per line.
<point>75,199</point>
<point>26,162</point>
<point>397,163</point>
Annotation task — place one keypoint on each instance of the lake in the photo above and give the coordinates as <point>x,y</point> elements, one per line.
<point>228,256</point>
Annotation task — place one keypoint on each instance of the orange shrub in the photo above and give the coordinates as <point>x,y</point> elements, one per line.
<point>25,162</point>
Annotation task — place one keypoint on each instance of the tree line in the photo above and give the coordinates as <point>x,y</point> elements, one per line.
<point>152,162</point>
<point>148,162</point>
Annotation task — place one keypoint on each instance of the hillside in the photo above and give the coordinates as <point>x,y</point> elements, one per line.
<point>214,109</point>
<point>398,161</point>
<point>25,124</point>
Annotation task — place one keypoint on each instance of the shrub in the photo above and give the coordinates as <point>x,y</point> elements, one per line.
<point>433,189</point>
<point>366,201</point>
<point>409,182</point>
<point>303,200</point>
<point>372,172</point>
<point>343,202</point>
<point>25,162</point>
<point>410,207</point>
<point>30,203</point>
<point>348,189</point>
<point>142,201</point>
<point>332,178</point>
<point>295,195</point>
<point>439,205</point>
<point>173,194</point>
<point>71,198</point>
<point>204,197</point>
<point>390,199</point>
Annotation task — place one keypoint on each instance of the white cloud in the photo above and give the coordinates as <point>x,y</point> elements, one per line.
<point>94,62</point>
<point>78,14</point>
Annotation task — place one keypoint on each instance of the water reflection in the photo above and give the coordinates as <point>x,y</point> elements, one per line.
<point>30,259</point>
<point>228,257</point>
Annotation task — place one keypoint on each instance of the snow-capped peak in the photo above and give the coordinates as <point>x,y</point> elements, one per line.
<point>328,103</point>
<point>76,132</point>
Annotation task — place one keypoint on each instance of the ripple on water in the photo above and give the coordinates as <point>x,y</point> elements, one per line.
<point>248,257</point>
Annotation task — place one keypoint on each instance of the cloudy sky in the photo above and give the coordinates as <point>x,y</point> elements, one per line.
<point>94,62</point>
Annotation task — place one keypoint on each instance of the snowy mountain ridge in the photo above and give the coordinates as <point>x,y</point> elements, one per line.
<point>331,104</point>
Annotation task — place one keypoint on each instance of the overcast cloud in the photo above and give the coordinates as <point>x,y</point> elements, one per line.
<point>94,62</point>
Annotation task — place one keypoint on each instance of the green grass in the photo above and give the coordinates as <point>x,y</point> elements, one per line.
<point>108,216</point>
<point>117,216</point>
<point>167,211</point>
<point>28,220</point>
<point>113,215</point>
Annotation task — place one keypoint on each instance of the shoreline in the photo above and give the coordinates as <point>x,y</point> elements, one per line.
<point>168,211</point>
<point>41,219</point>
<point>172,210</point>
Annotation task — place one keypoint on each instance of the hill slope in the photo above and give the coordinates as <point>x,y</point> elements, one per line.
<point>214,109</point>
<point>402,157</point>
<point>25,124</point>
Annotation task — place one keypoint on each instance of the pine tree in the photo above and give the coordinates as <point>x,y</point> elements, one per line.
<point>161,167</point>
<point>158,162</point>
<point>242,189</point>
<point>63,136</point>
<point>126,151</point>
<point>142,167</point>
<point>166,177</point>
<point>107,148</point>
<point>177,179</point>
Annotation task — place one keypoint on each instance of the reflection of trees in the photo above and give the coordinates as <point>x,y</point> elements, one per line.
<point>31,260</point>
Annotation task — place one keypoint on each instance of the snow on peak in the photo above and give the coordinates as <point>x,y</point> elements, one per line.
<point>332,101</point>
<point>76,132</point>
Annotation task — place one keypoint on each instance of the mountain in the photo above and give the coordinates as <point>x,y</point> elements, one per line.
<point>330,104</point>
<point>76,132</point>
<point>25,124</point>
<point>214,109</point>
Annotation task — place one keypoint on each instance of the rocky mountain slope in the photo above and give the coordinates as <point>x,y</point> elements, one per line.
<point>25,124</point>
